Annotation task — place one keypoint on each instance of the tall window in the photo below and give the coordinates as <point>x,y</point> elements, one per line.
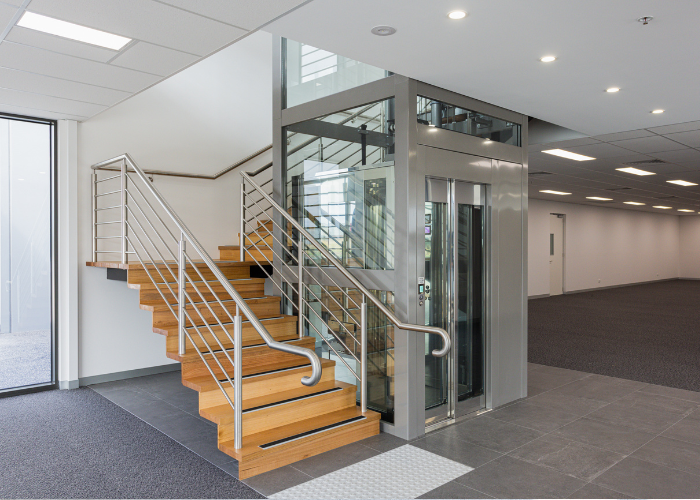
<point>26,172</point>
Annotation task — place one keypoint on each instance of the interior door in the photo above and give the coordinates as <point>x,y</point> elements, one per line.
<point>455,222</point>
<point>556,254</point>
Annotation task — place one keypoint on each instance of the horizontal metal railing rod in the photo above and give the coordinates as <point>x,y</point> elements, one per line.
<point>105,194</point>
<point>107,208</point>
<point>108,222</point>
<point>107,178</point>
<point>446,342</point>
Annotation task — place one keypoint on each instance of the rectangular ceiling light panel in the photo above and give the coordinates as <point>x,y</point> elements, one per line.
<point>635,171</point>
<point>549,191</point>
<point>598,198</point>
<point>682,183</point>
<point>633,203</point>
<point>568,154</point>
<point>73,31</point>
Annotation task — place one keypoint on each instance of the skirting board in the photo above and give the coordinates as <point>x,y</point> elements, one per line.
<point>140,372</point>
<point>531,297</point>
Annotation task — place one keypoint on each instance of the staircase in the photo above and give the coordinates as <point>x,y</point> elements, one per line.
<point>251,357</point>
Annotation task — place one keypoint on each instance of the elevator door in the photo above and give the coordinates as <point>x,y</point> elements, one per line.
<point>454,297</point>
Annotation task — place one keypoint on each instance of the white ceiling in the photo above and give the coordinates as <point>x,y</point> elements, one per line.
<point>493,54</point>
<point>51,77</point>
<point>676,146</point>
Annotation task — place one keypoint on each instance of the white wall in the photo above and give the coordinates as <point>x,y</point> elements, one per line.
<point>201,120</point>
<point>690,247</point>
<point>603,246</point>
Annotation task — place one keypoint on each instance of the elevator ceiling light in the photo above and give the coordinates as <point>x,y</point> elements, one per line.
<point>633,203</point>
<point>612,90</point>
<point>658,111</point>
<point>685,210</point>
<point>383,30</point>
<point>548,59</point>
<point>457,14</point>
<point>682,183</point>
<point>549,191</point>
<point>662,207</point>
<point>635,171</point>
<point>73,31</point>
<point>568,154</point>
<point>598,198</point>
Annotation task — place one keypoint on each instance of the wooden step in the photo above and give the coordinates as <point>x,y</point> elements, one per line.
<point>312,437</point>
<point>256,359</point>
<point>265,413</point>
<point>149,293</point>
<point>264,256</point>
<point>259,384</point>
<point>231,270</point>
<point>281,328</point>
<point>203,313</point>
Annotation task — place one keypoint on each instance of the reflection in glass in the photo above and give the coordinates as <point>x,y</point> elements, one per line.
<point>439,114</point>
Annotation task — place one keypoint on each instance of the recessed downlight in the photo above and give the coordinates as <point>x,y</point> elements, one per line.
<point>549,191</point>
<point>568,154</point>
<point>612,90</point>
<point>383,30</point>
<point>73,31</point>
<point>662,207</point>
<point>682,183</point>
<point>457,14</point>
<point>686,210</point>
<point>633,203</point>
<point>598,198</point>
<point>657,111</point>
<point>547,59</point>
<point>634,171</point>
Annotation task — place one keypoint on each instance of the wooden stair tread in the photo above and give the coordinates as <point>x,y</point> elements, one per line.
<point>138,266</point>
<point>280,318</point>
<point>198,282</point>
<point>224,413</point>
<point>254,349</point>
<point>206,383</point>
<point>227,302</point>
<point>251,443</point>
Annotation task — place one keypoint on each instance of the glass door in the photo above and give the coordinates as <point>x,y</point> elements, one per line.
<point>455,221</point>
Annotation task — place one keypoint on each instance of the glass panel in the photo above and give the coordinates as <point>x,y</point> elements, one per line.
<point>312,73</point>
<point>437,312</point>
<point>25,253</point>
<point>340,183</point>
<point>438,114</point>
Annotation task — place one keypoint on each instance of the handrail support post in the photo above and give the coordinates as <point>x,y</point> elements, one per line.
<point>241,235</point>
<point>300,291</point>
<point>238,380</point>
<point>94,215</point>
<point>363,353</point>
<point>181,284</point>
<point>123,221</point>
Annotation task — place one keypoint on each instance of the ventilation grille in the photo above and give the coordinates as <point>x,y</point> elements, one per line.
<point>644,162</point>
<point>664,197</point>
<point>540,173</point>
<point>618,189</point>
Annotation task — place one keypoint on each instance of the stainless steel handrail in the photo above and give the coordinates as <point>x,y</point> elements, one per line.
<point>446,342</point>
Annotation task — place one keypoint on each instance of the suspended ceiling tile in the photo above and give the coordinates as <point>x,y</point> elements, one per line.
<point>53,104</point>
<point>620,136</point>
<point>40,84</point>
<point>143,56</point>
<point>248,14</point>
<point>680,127</point>
<point>38,113</point>
<point>43,62</point>
<point>144,20</point>
<point>15,3</point>
<point>691,138</point>
<point>583,141</point>
<point>7,12</point>
<point>601,150</point>
<point>59,44</point>
<point>649,144</point>
<point>680,156</point>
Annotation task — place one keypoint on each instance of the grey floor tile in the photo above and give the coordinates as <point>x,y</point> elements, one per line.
<point>561,374</point>
<point>230,468</point>
<point>109,386</point>
<point>563,402</point>
<point>147,408</point>
<point>652,419</point>
<point>492,434</point>
<point>507,477</point>
<point>128,396</point>
<point>687,429</point>
<point>568,457</point>
<point>545,379</point>
<point>672,392</point>
<point>383,442</point>
<point>333,460</point>
<point>671,453</point>
<point>534,416</point>
<point>594,491</point>
<point>206,446</point>
<point>269,483</point>
<point>612,437</point>
<point>454,489</point>
<point>649,400</point>
<point>642,479</point>
<point>599,388</point>
<point>463,452</point>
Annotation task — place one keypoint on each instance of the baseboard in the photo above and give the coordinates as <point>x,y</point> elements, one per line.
<point>65,385</point>
<point>140,372</point>
<point>620,286</point>
<point>533,297</point>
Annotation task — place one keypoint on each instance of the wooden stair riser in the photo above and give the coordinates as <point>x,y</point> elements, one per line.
<point>264,256</point>
<point>280,330</point>
<point>151,296</point>
<point>288,453</point>
<point>265,385</point>
<point>255,360</point>
<point>138,276</point>
<point>212,313</point>
<point>289,413</point>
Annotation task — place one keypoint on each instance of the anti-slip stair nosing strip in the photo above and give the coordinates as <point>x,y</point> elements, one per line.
<point>302,435</point>
<point>291,400</point>
<point>253,375</point>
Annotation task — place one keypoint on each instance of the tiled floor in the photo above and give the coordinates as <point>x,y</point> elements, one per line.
<point>577,436</point>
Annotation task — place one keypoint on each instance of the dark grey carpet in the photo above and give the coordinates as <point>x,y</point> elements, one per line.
<point>25,358</point>
<point>649,333</point>
<point>77,444</point>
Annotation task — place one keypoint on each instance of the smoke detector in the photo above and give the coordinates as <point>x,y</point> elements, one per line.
<point>645,20</point>
<point>383,30</point>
